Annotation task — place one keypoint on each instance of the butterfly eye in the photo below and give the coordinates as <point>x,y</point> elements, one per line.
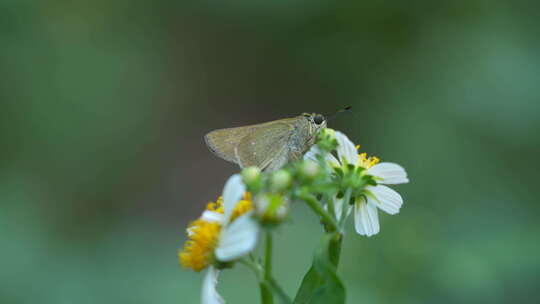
<point>318,119</point>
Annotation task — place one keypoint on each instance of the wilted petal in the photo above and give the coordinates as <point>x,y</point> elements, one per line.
<point>209,291</point>
<point>385,199</point>
<point>232,193</point>
<point>366,219</point>
<point>237,239</point>
<point>389,173</point>
<point>346,150</point>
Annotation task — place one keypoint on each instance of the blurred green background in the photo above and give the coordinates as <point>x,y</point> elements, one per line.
<point>104,105</point>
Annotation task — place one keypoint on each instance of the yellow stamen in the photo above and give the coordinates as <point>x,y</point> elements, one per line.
<point>367,162</point>
<point>198,251</point>
<point>242,207</point>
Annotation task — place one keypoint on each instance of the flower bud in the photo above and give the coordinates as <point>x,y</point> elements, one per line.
<point>280,180</point>
<point>330,133</point>
<point>327,139</point>
<point>271,208</point>
<point>251,175</point>
<point>309,169</point>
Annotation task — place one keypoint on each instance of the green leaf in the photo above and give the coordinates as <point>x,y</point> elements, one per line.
<point>321,284</point>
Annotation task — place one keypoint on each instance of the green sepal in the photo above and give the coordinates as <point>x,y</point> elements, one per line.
<point>223,265</point>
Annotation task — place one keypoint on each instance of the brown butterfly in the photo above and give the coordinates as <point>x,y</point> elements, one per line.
<point>268,145</point>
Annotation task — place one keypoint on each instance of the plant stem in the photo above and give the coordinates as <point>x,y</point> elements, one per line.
<point>317,208</point>
<point>334,248</point>
<point>268,256</point>
<point>283,297</point>
<point>343,215</point>
<point>269,284</point>
<point>266,293</point>
<point>331,207</point>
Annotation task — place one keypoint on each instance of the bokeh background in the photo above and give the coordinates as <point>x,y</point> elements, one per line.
<point>104,105</point>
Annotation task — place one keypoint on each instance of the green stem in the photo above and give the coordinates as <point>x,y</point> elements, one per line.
<point>317,208</point>
<point>266,293</point>
<point>268,256</point>
<point>334,248</point>
<point>269,284</point>
<point>331,208</point>
<point>346,200</point>
<point>278,290</point>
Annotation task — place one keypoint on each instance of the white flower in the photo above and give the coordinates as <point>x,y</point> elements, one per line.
<point>366,219</point>
<point>209,291</point>
<point>237,238</point>
<point>226,233</point>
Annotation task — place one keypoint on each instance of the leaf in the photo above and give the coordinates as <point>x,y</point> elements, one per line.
<point>321,284</point>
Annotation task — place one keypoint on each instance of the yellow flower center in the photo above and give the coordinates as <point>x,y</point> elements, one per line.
<point>366,162</point>
<point>198,251</point>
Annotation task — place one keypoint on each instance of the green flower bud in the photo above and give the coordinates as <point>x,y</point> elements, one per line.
<point>280,180</point>
<point>271,208</point>
<point>326,140</point>
<point>251,175</point>
<point>309,169</point>
<point>330,133</point>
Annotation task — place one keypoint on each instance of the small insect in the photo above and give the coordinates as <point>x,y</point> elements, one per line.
<point>269,145</point>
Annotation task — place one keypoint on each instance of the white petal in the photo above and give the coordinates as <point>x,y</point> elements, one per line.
<point>237,239</point>
<point>212,216</point>
<point>390,173</point>
<point>312,153</point>
<point>338,208</point>
<point>232,193</point>
<point>366,220</point>
<point>346,150</point>
<point>385,199</point>
<point>315,151</point>
<point>209,291</point>
<point>190,230</point>
<point>332,160</point>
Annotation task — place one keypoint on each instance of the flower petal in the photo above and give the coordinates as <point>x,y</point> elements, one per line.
<point>314,151</point>
<point>212,216</point>
<point>390,173</point>
<point>332,160</point>
<point>346,150</point>
<point>338,208</point>
<point>238,239</point>
<point>366,219</point>
<point>209,291</point>
<point>385,199</point>
<point>232,193</point>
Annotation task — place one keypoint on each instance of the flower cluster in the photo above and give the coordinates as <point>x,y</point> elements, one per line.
<point>365,177</point>
<point>333,179</point>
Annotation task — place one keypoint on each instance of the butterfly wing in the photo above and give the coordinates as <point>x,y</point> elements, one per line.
<point>265,148</point>
<point>223,142</point>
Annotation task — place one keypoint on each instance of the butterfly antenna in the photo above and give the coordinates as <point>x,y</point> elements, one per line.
<point>347,109</point>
